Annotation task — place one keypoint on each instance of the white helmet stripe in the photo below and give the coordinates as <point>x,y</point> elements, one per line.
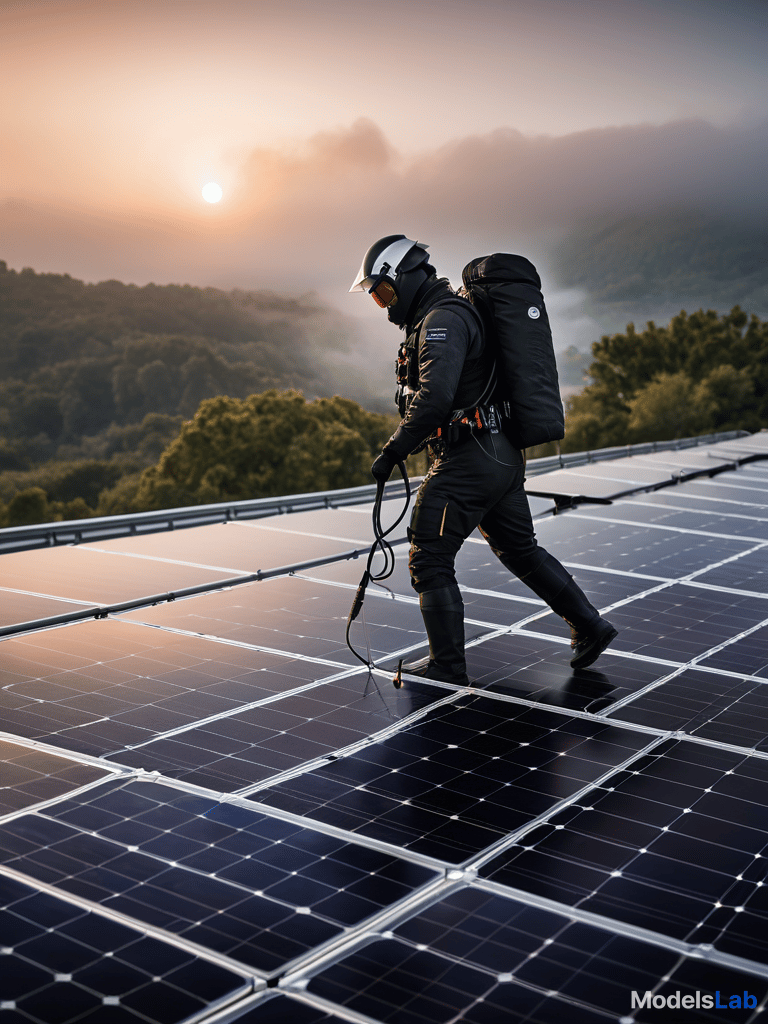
<point>393,255</point>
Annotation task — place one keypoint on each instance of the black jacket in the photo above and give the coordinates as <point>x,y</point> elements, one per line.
<point>446,365</point>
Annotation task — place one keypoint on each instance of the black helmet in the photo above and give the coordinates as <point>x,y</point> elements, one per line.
<point>393,271</point>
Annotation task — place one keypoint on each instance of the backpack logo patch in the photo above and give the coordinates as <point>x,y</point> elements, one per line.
<point>533,313</point>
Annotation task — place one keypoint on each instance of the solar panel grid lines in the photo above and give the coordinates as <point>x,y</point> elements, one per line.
<point>412,808</point>
<point>263,702</point>
<point>719,707</point>
<point>629,875</point>
<point>477,862</point>
<point>660,526</point>
<point>637,504</point>
<point>631,697</point>
<point>736,591</point>
<point>554,965</point>
<point>34,885</point>
<point>311,659</point>
<point>37,775</point>
<point>623,928</point>
<point>292,931</point>
<point>353,748</point>
<point>303,763</point>
<point>57,752</point>
<point>691,711</point>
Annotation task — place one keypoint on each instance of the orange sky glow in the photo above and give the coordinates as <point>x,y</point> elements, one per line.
<point>473,125</point>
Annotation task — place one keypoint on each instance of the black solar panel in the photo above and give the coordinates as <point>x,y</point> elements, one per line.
<point>210,811</point>
<point>502,960</point>
<point>462,778</point>
<point>674,846</point>
<point>61,962</point>
<point>31,776</point>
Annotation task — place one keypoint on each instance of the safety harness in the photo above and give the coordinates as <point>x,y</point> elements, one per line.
<point>480,415</point>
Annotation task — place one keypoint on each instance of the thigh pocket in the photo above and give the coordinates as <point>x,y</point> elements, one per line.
<point>428,520</point>
<point>444,520</point>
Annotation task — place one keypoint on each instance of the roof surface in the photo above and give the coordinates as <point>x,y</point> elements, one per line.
<point>211,811</point>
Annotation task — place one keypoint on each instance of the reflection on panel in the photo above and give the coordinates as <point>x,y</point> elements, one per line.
<point>16,608</point>
<point>633,548</point>
<point>461,778</point>
<point>240,750</point>
<point>353,523</point>
<point>747,573</point>
<point>99,686</point>
<point>389,980</point>
<point>351,571</point>
<point>682,498</point>
<point>97,577</point>
<point>575,964</point>
<point>28,776</point>
<point>260,890</point>
<point>239,548</point>
<point>725,709</point>
<point>571,483</point>
<point>293,614</point>
<point>675,846</point>
<point>748,655</point>
<point>677,623</point>
<point>740,490</point>
<point>64,964</point>
<point>730,525</point>
<point>521,666</point>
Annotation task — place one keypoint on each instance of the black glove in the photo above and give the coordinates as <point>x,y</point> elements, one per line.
<point>383,465</point>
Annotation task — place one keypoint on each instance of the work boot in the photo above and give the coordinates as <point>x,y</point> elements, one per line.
<point>590,634</point>
<point>588,644</point>
<point>443,614</point>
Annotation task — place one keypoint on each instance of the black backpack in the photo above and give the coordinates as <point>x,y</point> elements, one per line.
<point>506,291</point>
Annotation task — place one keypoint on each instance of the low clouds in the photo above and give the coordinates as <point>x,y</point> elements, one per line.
<point>502,191</point>
<point>301,218</point>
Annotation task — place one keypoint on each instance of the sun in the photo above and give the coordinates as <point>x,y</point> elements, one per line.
<point>212,192</point>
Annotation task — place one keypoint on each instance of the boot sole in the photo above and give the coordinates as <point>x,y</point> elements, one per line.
<point>403,670</point>
<point>595,649</point>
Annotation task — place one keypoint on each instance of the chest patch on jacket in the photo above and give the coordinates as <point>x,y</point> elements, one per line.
<point>436,334</point>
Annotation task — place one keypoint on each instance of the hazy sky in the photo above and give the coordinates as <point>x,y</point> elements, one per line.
<point>471,124</point>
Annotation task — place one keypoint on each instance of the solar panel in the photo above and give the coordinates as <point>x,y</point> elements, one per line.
<point>64,962</point>
<point>210,811</point>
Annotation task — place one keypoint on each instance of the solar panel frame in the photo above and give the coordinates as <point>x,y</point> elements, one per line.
<point>680,569</point>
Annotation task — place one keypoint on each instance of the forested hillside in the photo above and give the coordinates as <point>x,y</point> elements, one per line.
<point>78,359</point>
<point>115,398</point>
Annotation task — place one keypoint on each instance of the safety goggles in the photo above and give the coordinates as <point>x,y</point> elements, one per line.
<point>383,293</point>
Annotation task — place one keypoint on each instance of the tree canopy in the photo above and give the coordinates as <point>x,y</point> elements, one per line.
<point>264,445</point>
<point>701,373</point>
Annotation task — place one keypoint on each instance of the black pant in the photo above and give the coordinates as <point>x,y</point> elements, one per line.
<point>479,483</point>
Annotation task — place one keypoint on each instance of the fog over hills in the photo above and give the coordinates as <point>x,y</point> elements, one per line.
<point>627,223</point>
<point>652,266</point>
